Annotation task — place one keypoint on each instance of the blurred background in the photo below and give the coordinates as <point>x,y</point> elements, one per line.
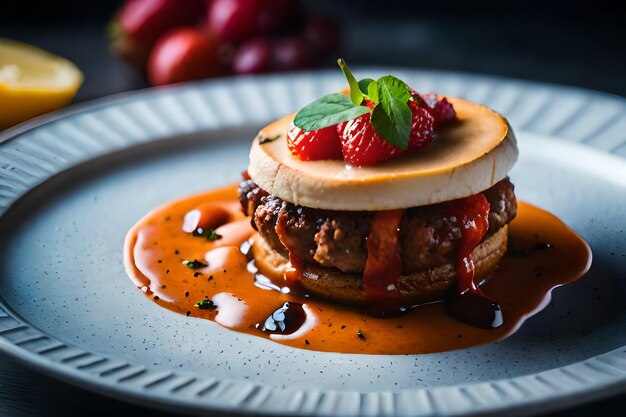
<point>121,46</point>
<point>554,41</point>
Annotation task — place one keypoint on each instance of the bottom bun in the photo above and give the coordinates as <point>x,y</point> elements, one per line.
<point>415,288</point>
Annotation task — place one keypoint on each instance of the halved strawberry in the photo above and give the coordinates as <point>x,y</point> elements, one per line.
<point>362,145</point>
<point>422,127</point>
<point>314,145</point>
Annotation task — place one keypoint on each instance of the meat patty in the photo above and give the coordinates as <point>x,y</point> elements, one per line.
<point>429,235</point>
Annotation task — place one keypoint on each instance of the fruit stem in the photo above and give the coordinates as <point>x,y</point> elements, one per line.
<point>356,96</point>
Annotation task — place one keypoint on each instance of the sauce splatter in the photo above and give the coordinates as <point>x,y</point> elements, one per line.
<point>225,284</point>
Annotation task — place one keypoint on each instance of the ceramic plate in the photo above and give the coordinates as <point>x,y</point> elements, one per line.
<point>71,185</point>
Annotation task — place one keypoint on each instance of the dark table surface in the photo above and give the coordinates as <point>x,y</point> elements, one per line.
<point>551,45</point>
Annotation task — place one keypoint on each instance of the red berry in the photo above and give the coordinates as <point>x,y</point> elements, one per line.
<point>369,103</point>
<point>422,127</point>
<point>253,57</point>
<point>440,108</point>
<point>144,21</point>
<point>234,20</point>
<point>362,145</point>
<point>140,23</point>
<point>290,54</point>
<point>314,145</point>
<point>184,54</point>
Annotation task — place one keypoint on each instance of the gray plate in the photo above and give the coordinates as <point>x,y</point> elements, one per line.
<point>72,185</point>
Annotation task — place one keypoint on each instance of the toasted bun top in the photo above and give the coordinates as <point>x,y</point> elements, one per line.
<point>465,158</point>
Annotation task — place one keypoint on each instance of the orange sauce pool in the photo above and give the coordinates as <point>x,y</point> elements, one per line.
<point>157,253</point>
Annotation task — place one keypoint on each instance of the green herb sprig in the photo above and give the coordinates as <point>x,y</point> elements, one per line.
<point>206,304</point>
<point>208,234</point>
<point>195,264</point>
<point>391,115</point>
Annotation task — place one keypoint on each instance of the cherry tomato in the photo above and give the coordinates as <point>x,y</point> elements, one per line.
<point>139,24</point>
<point>146,20</point>
<point>290,54</point>
<point>253,57</point>
<point>184,54</point>
<point>234,20</point>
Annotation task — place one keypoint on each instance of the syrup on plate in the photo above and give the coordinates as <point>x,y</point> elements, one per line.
<point>186,256</point>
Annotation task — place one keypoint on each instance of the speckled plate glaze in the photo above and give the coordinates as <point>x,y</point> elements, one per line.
<point>72,184</point>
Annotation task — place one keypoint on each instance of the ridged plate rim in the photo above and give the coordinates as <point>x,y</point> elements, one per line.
<point>594,119</point>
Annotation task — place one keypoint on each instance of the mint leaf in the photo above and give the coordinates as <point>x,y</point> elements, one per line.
<point>392,87</point>
<point>369,88</point>
<point>328,111</point>
<point>395,131</point>
<point>355,92</point>
<point>372,92</point>
<point>392,115</point>
<point>364,83</point>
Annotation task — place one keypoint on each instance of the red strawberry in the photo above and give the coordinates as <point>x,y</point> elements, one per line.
<point>422,127</point>
<point>314,145</point>
<point>369,103</point>
<point>441,109</point>
<point>362,145</point>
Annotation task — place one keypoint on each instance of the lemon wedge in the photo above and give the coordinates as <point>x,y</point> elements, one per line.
<point>33,82</point>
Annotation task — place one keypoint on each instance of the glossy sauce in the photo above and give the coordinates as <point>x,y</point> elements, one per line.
<point>468,303</point>
<point>543,254</point>
<point>381,277</point>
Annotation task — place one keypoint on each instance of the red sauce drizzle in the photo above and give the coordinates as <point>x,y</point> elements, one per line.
<point>381,277</point>
<point>469,304</point>
<point>292,273</point>
<point>472,214</point>
<point>157,245</point>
